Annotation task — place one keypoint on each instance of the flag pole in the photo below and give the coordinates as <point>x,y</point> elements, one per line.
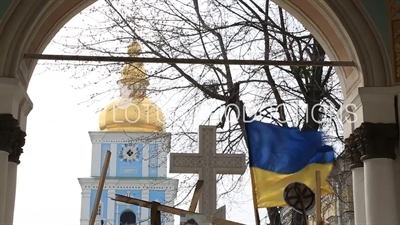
<point>255,205</point>
<point>318,196</point>
<point>252,176</point>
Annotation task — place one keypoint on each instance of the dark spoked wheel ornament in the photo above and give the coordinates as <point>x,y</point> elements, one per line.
<point>297,194</point>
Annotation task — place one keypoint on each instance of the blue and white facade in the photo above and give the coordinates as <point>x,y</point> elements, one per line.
<point>138,168</point>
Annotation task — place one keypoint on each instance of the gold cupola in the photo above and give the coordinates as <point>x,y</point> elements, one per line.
<point>132,111</point>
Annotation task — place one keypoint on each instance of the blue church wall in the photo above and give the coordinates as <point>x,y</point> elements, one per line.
<point>121,208</point>
<point>104,148</point>
<point>153,160</point>
<point>158,196</point>
<point>129,160</point>
<point>103,199</point>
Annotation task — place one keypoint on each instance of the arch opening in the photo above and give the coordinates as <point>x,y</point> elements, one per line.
<point>127,218</point>
<point>335,38</point>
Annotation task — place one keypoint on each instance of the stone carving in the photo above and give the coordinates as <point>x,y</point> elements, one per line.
<point>17,147</point>
<point>207,163</point>
<point>353,152</point>
<point>377,140</point>
<point>8,132</point>
<point>12,138</point>
<point>371,140</point>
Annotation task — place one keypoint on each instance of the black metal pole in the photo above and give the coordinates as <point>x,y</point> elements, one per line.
<point>188,61</point>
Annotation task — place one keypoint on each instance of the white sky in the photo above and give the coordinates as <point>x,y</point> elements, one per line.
<point>58,151</point>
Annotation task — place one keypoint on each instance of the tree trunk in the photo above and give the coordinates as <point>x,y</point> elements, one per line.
<point>313,99</point>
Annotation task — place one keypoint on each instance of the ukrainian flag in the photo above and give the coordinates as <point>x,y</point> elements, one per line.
<point>281,155</point>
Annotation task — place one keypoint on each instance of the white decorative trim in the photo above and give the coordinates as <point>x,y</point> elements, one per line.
<point>145,160</point>
<point>96,160</point>
<point>122,137</point>
<point>138,184</point>
<point>113,160</point>
<point>369,96</point>
<point>145,212</point>
<point>85,203</point>
<point>110,205</point>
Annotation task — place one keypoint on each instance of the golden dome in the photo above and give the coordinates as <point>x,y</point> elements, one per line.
<point>132,115</point>
<point>133,111</point>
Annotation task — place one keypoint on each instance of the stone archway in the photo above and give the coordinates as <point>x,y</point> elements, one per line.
<point>342,27</point>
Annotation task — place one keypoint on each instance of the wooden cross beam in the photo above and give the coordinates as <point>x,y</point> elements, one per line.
<point>100,188</point>
<point>196,195</point>
<point>155,218</point>
<point>188,61</point>
<point>167,209</point>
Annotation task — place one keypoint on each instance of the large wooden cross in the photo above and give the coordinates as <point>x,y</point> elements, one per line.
<point>207,163</point>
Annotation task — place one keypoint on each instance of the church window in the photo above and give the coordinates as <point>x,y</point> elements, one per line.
<point>128,218</point>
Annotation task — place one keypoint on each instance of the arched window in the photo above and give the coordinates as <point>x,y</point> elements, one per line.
<point>127,218</point>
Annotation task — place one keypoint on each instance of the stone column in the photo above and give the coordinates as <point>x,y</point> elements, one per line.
<point>9,129</point>
<point>13,162</point>
<point>377,142</point>
<point>111,206</point>
<point>357,171</point>
<point>3,181</point>
<point>145,213</point>
<point>85,206</point>
<point>15,106</point>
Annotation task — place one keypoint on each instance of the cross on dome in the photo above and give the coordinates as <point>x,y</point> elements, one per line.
<point>133,111</point>
<point>135,73</point>
<point>134,49</point>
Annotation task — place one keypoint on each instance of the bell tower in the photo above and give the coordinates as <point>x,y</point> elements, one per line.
<point>132,127</point>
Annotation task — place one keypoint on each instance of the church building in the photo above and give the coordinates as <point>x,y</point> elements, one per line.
<point>132,128</point>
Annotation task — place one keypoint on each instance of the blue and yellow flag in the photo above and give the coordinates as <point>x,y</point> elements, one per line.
<point>281,155</point>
